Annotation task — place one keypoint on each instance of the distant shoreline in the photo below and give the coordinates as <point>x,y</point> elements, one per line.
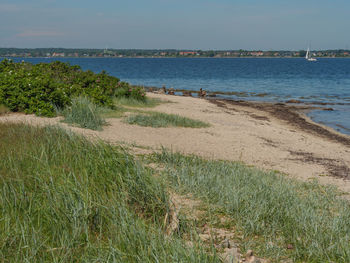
<point>9,57</point>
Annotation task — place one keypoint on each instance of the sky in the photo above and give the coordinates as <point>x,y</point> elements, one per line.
<point>176,24</point>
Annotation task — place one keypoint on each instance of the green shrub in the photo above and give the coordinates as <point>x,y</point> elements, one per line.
<point>158,119</point>
<point>84,113</point>
<point>127,91</point>
<point>43,87</point>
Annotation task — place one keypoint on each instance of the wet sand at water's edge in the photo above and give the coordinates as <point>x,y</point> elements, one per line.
<point>268,136</point>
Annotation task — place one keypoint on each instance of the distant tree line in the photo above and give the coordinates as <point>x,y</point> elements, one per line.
<point>74,52</point>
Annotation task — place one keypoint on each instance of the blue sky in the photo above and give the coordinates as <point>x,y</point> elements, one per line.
<point>180,24</point>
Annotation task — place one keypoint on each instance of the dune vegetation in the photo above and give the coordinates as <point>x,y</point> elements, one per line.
<point>160,119</point>
<point>278,217</point>
<point>84,113</point>
<point>65,199</point>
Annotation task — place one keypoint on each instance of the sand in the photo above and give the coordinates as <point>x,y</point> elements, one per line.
<point>252,133</point>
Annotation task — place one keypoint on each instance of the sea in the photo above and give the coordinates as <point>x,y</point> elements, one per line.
<point>324,83</point>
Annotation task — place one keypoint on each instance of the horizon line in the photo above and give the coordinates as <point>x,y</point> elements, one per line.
<point>172,49</point>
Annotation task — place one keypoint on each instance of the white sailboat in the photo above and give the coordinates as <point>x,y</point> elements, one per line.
<point>308,56</point>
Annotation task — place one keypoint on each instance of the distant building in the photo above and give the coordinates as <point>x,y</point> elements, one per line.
<point>186,53</point>
<point>54,54</point>
<point>257,54</point>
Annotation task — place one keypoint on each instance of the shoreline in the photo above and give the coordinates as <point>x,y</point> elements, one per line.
<point>290,107</point>
<point>294,115</point>
<point>255,134</point>
<point>186,57</point>
<point>294,119</point>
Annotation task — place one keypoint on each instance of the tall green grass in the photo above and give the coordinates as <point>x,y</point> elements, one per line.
<point>65,199</point>
<point>84,113</point>
<point>159,119</point>
<point>272,211</point>
<point>132,102</point>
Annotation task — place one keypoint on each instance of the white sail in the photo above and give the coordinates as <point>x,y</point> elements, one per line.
<point>309,56</point>
<point>307,53</point>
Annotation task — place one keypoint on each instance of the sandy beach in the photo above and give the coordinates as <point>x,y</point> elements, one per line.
<point>268,136</point>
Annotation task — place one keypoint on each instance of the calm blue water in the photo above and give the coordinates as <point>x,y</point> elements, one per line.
<point>327,80</point>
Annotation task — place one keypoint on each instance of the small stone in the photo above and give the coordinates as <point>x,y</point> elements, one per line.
<point>294,101</point>
<point>162,90</point>
<point>249,253</point>
<point>226,244</point>
<point>230,255</point>
<point>204,237</point>
<point>186,93</point>
<point>290,246</point>
<point>171,91</point>
<point>253,259</point>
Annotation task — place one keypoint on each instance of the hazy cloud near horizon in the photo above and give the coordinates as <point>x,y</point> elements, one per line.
<point>195,24</point>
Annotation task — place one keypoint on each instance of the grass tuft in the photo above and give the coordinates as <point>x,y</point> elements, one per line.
<point>65,199</point>
<point>117,112</point>
<point>132,102</point>
<point>84,113</point>
<point>4,109</point>
<point>272,211</point>
<point>158,119</point>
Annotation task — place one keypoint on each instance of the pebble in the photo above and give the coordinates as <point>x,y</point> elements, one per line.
<point>249,254</point>
<point>226,244</point>
<point>253,259</point>
<point>290,246</point>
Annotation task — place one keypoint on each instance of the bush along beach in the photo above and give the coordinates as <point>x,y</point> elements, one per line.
<point>44,87</point>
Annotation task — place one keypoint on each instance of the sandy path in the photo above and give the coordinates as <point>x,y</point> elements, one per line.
<point>237,132</point>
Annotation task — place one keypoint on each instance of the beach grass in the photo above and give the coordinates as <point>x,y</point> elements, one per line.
<point>158,119</point>
<point>66,199</point>
<point>124,104</point>
<point>4,109</point>
<point>84,114</point>
<point>278,217</point>
<point>117,112</point>
<point>131,102</point>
